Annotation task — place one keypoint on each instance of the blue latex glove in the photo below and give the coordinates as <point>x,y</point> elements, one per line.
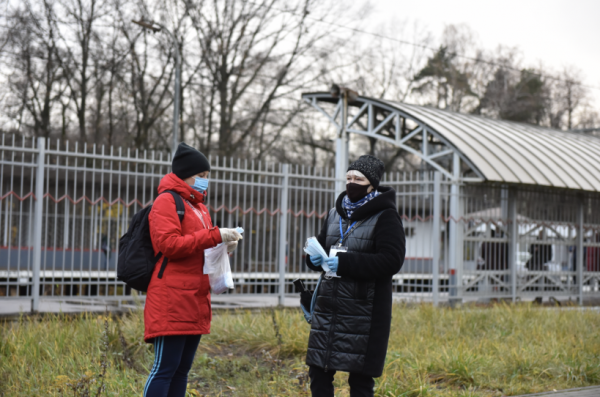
<point>316,260</point>
<point>333,263</point>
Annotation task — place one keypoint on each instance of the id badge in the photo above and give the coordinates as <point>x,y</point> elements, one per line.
<point>337,248</point>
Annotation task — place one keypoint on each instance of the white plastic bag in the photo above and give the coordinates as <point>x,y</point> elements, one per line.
<point>312,247</point>
<point>216,265</point>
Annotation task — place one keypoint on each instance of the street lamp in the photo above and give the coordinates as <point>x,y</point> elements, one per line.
<point>341,142</point>
<point>157,27</point>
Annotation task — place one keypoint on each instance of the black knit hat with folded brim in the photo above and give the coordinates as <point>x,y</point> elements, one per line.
<point>188,162</point>
<point>369,166</point>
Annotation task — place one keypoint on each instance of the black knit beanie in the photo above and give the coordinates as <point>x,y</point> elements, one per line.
<point>188,161</point>
<point>369,166</point>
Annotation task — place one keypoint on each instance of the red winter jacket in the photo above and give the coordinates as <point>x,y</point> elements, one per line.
<point>179,302</point>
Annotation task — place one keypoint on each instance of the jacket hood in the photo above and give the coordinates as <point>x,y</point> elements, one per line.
<point>172,182</point>
<point>386,200</point>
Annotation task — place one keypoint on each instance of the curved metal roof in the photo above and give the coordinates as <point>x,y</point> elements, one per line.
<point>510,152</point>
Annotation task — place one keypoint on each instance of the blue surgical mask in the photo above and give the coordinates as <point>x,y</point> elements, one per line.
<point>200,184</point>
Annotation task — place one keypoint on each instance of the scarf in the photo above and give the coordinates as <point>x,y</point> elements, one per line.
<point>350,207</point>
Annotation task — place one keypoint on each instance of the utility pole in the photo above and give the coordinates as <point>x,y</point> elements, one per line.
<point>341,143</point>
<point>157,27</point>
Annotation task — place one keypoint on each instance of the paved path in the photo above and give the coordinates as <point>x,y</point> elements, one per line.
<point>13,307</point>
<point>593,391</point>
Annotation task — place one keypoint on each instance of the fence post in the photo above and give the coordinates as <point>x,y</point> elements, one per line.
<point>341,150</point>
<point>283,206</point>
<point>37,224</point>
<point>435,244</point>
<point>455,252</point>
<point>514,241</point>
<point>579,252</point>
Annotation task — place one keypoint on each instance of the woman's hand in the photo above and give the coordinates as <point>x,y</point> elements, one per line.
<point>332,263</point>
<point>228,235</point>
<point>316,260</point>
<point>231,246</point>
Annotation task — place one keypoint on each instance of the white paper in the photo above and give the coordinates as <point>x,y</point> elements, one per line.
<point>312,247</point>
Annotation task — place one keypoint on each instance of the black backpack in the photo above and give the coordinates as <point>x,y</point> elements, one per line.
<point>136,254</point>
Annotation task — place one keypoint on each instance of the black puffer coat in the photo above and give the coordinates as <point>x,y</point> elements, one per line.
<point>352,317</point>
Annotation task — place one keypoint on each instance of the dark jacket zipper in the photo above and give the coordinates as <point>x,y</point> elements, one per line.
<point>333,321</point>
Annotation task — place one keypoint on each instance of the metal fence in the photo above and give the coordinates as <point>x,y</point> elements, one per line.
<point>63,209</point>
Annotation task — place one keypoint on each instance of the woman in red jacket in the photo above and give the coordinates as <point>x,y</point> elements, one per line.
<point>177,311</point>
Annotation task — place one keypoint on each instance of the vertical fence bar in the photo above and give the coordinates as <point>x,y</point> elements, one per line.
<point>513,242</point>
<point>435,244</point>
<point>37,229</point>
<point>341,148</point>
<point>455,262</point>
<point>283,231</point>
<point>579,251</point>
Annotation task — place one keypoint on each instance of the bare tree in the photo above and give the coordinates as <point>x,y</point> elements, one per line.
<point>256,58</point>
<point>35,64</point>
<point>78,33</point>
<point>567,95</point>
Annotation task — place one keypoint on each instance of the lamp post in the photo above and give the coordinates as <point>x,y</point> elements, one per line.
<point>157,27</point>
<point>341,142</point>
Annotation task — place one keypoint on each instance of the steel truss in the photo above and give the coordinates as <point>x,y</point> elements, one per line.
<point>378,120</point>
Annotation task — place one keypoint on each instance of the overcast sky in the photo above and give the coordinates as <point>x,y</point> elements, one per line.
<point>557,32</point>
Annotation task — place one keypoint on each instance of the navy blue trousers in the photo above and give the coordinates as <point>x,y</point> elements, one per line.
<point>173,358</point>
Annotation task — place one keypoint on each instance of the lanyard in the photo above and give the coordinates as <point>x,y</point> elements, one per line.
<point>344,235</point>
<point>197,212</point>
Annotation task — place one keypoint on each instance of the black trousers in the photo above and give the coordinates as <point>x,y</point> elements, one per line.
<point>321,383</point>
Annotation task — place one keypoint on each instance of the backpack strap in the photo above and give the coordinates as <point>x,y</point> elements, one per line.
<point>180,208</point>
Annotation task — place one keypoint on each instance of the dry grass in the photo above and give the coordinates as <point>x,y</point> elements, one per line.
<point>501,350</point>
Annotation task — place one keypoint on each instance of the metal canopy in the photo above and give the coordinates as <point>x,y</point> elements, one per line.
<point>493,150</point>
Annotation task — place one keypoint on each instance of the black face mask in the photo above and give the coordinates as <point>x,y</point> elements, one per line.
<point>356,192</point>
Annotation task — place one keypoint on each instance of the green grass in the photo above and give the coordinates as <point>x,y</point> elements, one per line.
<point>495,351</point>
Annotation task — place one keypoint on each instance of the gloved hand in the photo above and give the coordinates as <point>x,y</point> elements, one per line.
<point>316,260</point>
<point>229,235</point>
<point>231,246</point>
<point>333,263</point>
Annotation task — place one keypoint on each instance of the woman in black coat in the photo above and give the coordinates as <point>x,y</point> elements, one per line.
<point>352,314</point>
